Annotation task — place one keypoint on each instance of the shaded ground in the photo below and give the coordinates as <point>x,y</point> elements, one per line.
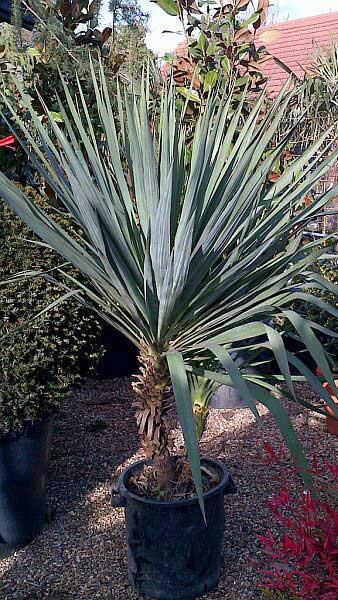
<point>81,553</point>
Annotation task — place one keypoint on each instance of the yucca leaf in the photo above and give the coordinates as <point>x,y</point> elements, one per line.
<point>286,428</point>
<point>235,376</point>
<point>278,348</point>
<point>312,343</point>
<point>313,381</point>
<point>184,408</point>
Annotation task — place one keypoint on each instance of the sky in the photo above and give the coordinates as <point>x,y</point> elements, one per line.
<point>159,21</point>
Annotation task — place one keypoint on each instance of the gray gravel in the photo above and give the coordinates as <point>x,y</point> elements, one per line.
<point>81,553</point>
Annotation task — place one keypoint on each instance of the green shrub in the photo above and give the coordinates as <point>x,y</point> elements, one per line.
<point>327,269</point>
<point>40,360</point>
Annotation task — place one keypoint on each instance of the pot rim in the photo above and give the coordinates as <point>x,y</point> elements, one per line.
<point>124,491</point>
<point>27,429</point>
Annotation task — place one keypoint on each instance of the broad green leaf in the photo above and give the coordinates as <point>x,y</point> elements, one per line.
<point>210,80</point>
<point>225,62</point>
<point>57,116</point>
<point>242,81</point>
<point>169,6</point>
<point>201,41</point>
<point>250,20</point>
<point>189,94</point>
<point>33,52</point>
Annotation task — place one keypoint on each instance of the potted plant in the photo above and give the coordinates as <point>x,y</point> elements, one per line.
<point>39,361</point>
<point>24,460</point>
<point>30,393</point>
<point>331,414</point>
<point>188,259</point>
<point>331,418</point>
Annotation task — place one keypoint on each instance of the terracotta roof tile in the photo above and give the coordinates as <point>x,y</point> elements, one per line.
<point>295,45</point>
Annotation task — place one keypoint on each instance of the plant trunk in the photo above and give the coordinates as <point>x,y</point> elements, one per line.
<point>153,389</point>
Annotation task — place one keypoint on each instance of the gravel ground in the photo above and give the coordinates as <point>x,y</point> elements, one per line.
<point>81,553</point>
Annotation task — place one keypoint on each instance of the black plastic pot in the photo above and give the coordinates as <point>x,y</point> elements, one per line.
<point>27,18</point>
<point>227,397</point>
<point>120,357</point>
<point>172,553</point>
<point>23,470</point>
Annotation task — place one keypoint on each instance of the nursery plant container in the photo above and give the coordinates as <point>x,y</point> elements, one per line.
<point>172,553</point>
<point>120,356</point>
<point>331,421</point>
<point>27,18</point>
<point>227,397</point>
<point>23,470</point>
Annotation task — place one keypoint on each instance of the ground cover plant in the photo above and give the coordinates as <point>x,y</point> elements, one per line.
<point>304,561</point>
<point>187,261</point>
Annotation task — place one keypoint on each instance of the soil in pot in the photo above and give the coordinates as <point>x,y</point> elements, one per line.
<point>172,553</point>
<point>23,470</point>
<point>145,484</point>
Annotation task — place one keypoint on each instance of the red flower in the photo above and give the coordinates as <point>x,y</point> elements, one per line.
<point>8,142</point>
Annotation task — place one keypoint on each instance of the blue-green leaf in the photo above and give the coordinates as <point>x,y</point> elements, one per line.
<point>181,389</point>
<point>286,428</point>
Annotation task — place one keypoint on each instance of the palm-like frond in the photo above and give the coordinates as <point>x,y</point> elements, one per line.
<point>185,259</point>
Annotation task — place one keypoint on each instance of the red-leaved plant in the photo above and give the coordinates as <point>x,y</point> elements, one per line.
<point>305,560</point>
<point>8,142</point>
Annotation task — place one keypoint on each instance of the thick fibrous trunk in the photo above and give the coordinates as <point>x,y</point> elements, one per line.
<point>152,386</point>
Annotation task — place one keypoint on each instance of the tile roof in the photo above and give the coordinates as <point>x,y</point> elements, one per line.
<point>295,45</point>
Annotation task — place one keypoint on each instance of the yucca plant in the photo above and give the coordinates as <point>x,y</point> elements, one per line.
<point>185,261</point>
<point>324,65</point>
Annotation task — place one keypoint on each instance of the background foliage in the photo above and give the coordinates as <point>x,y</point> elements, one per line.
<point>41,360</point>
<point>328,269</point>
<point>220,44</point>
<point>66,38</point>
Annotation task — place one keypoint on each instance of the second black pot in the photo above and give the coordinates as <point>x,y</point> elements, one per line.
<point>23,470</point>
<point>172,553</point>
